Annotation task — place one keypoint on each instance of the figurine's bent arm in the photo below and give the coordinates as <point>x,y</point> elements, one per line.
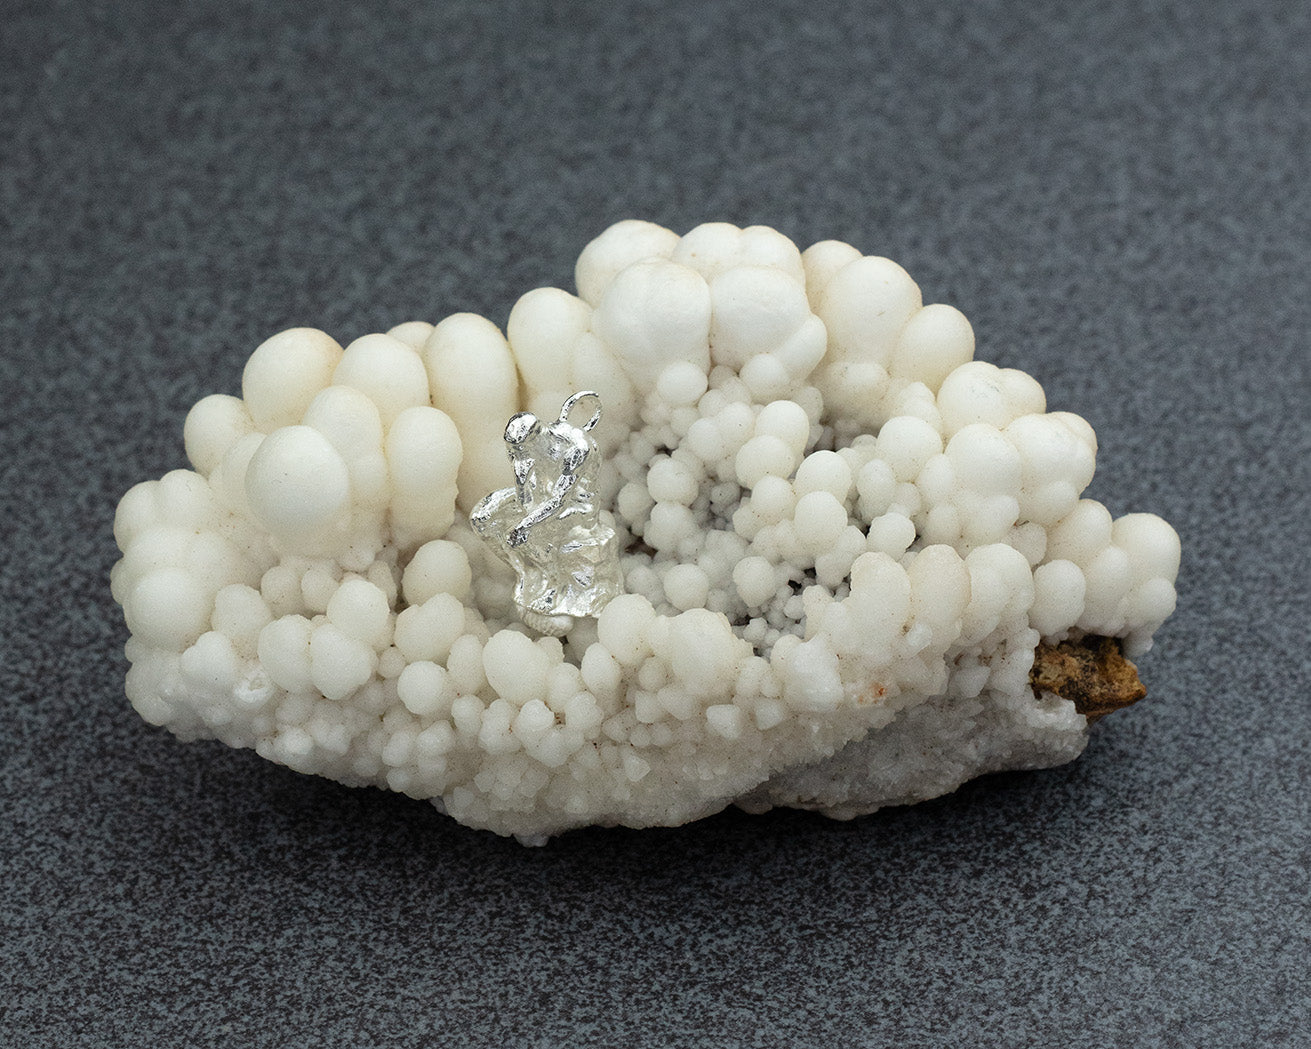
<point>572,465</point>
<point>544,509</point>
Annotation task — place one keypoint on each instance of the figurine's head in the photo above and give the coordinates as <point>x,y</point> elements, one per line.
<point>519,428</point>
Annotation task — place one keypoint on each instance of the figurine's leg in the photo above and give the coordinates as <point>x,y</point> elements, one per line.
<point>493,518</point>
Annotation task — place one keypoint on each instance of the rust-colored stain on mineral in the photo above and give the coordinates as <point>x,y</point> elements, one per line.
<point>1091,672</point>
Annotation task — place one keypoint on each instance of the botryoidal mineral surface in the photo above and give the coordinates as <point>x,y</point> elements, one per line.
<point>856,563</point>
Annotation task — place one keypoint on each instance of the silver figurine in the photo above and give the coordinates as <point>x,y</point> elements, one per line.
<point>548,527</point>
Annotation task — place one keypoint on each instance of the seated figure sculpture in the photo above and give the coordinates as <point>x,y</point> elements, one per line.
<point>548,527</point>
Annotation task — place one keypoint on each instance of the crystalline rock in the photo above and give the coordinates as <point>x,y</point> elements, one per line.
<point>842,539</point>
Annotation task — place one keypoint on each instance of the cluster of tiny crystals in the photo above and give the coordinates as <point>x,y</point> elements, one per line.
<point>842,536</point>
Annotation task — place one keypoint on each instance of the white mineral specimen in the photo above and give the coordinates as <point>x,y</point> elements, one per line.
<point>843,541</point>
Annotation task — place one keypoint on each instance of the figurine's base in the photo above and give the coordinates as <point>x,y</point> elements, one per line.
<point>551,626</point>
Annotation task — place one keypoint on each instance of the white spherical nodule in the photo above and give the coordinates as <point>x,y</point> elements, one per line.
<point>1152,602</point>
<point>766,376</point>
<point>819,519</point>
<point>734,423</point>
<point>670,480</point>
<point>891,533</point>
<point>228,481</point>
<point>413,333</point>
<point>865,306</point>
<point>773,499</point>
<point>824,471</point>
<point>1081,534</point>
<point>168,608</point>
<point>516,667</point>
<point>755,310</point>
<point>214,425</point>
<point>670,525</point>
<point>475,383</point>
<point>681,383</point>
<point>1059,588</point>
<point>622,628</point>
<point>285,372</point>
<point>424,453</point>
<point>704,652</point>
<point>339,663</point>
<point>350,421</point>
<point>654,314</point>
<point>1056,466</point>
<point>989,463</point>
<point>935,342</point>
<point>876,485</point>
<point>1151,544</point>
<point>387,371</point>
<point>821,262</point>
<point>184,498</point>
<point>714,248</point>
<point>425,688</point>
<point>284,652</point>
<point>1109,576</point>
<point>991,576</point>
<point>764,456</point>
<point>755,581</point>
<point>297,483</point>
<point>211,665</point>
<point>687,586</point>
<point>429,631</point>
<point>543,330</point>
<point>240,613</point>
<point>973,393</point>
<point>906,444</point>
<point>361,610</point>
<point>813,678</point>
<point>137,511</point>
<point>788,421</point>
<point>1023,392</point>
<point>437,567</point>
<point>615,250</point>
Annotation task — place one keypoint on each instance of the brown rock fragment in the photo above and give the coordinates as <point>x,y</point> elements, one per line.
<point>1090,671</point>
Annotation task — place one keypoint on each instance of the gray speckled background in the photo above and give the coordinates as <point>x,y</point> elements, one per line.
<point>1115,194</point>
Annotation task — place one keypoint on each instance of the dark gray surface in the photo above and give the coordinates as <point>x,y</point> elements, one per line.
<point>1116,196</point>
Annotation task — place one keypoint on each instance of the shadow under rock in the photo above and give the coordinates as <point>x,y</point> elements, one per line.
<point>273,825</point>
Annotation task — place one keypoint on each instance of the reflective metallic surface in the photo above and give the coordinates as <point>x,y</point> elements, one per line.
<point>548,527</point>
